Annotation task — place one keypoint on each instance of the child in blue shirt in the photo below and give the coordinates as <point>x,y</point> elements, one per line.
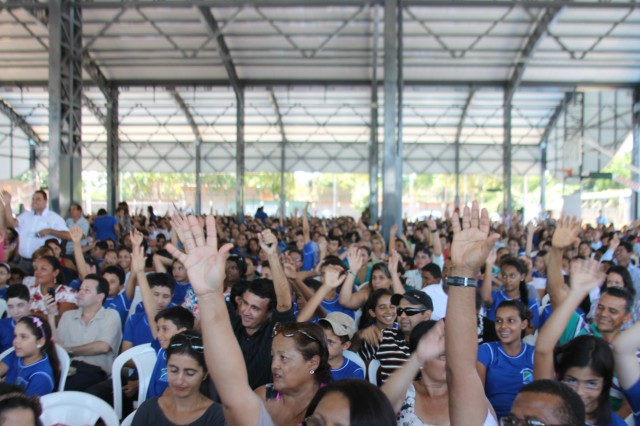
<point>33,364</point>
<point>119,297</point>
<point>18,298</point>
<point>339,328</point>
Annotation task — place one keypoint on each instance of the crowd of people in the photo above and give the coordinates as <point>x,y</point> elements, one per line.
<point>301,320</point>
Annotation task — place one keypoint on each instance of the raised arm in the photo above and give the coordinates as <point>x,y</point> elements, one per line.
<point>137,268</point>
<point>431,346</point>
<point>625,347</point>
<point>487,282</point>
<point>205,265</point>
<point>585,276</point>
<point>348,298</point>
<point>269,243</point>
<point>471,245</point>
<point>9,220</point>
<point>306,233</point>
<point>436,245</point>
<point>333,278</point>
<point>394,259</point>
<point>529,244</point>
<point>564,236</point>
<point>76,237</point>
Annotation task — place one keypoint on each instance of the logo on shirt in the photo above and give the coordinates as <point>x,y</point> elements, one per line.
<point>163,375</point>
<point>527,375</point>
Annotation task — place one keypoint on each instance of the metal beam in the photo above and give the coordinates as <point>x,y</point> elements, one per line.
<point>198,142</point>
<point>65,104</point>
<point>391,188</point>
<point>240,166</point>
<point>19,121</point>
<point>113,148</point>
<point>507,204</point>
<point>95,110</point>
<point>225,55</point>
<point>374,143</point>
<point>463,116</point>
<point>635,155</point>
<point>548,18</point>
<point>283,145</point>
<point>557,113</point>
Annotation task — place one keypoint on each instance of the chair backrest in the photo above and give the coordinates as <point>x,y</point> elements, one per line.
<point>128,420</point>
<point>137,298</point>
<point>352,356</point>
<point>3,307</point>
<point>144,357</point>
<point>6,352</point>
<point>65,363</point>
<point>73,408</point>
<point>374,366</point>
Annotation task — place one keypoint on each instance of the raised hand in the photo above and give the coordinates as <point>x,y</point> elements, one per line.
<point>491,259</point>
<point>355,260</point>
<point>566,233</point>
<point>136,238</point>
<point>6,198</point>
<point>394,258</point>
<point>137,258</point>
<point>333,276</point>
<point>472,243</point>
<point>431,345</point>
<point>289,266</point>
<point>615,242</point>
<point>393,230</point>
<point>205,263</point>
<point>586,275</point>
<point>268,242</point>
<point>530,228</point>
<point>76,234</point>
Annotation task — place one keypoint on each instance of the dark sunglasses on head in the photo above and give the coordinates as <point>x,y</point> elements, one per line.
<point>182,340</point>
<point>410,311</point>
<point>279,329</point>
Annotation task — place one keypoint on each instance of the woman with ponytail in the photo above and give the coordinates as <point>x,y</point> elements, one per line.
<point>514,287</point>
<point>33,364</point>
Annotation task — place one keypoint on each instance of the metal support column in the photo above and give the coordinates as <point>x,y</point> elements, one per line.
<point>506,157</point>
<point>463,117</point>
<point>391,187</point>
<point>113,148</point>
<point>543,175</point>
<point>635,156</point>
<point>374,143</point>
<point>283,153</point>
<point>240,156</point>
<point>65,104</point>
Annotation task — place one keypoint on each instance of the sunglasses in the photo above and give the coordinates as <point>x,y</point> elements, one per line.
<point>194,342</point>
<point>279,329</point>
<point>410,311</point>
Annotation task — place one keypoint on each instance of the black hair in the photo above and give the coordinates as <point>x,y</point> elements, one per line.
<point>523,312</point>
<point>41,329</point>
<point>179,316</point>
<point>366,319</point>
<point>16,399</point>
<point>422,249</point>
<point>522,270</point>
<point>237,290</point>
<point>382,267</point>
<point>55,264</point>
<point>240,263</point>
<point>368,405</point>
<point>19,291</point>
<point>594,353</point>
<point>337,238</point>
<point>569,410</point>
<point>621,293</point>
<point>117,271</point>
<point>52,241</point>
<point>102,212</point>
<point>102,245</point>
<point>102,287</point>
<point>352,237</point>
<point>312,283</point>
<point>335,261</point>
<point>418,331</point>
<point>264,289</point>
<point>626,278</point>
<point>433,269</point>
<point>626,246</point>
<point>41,192</point>
<point>159,279</point>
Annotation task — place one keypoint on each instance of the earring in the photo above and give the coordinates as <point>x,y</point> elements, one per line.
<point>38,346</point>
<point>312,371</point>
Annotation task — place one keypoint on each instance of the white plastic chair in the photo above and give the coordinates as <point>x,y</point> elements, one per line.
<point>73,408</point>
<point>3,307</point>
<point>144,357</point>
<point>137,298</point>
<point>128,420</point>
<point>630,421</point>
<point>372,372</point>
<point>65,363</point>
<point>352,356</point>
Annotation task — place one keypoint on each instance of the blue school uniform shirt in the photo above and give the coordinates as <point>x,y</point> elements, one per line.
<point>137,330</point>
<point>633,398</point>
<point>348,370</point>
<point>179,293</point>
<point>6,333</point>
<point>120,304</point>
<point>35,379</point>
<point>335,306</point>
<point>140,307</point>
<point>500,296</point>
<point>159,378</point>
<point>505,374</point>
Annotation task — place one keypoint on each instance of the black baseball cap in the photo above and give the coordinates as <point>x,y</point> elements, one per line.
<point>415,297</point>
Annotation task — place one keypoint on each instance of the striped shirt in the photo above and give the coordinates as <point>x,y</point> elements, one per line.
<point>392,352</point>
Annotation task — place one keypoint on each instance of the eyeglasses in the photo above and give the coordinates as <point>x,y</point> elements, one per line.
<point>279,329</point>
<point>512,420</point>
<point>409,311</point>
<point>590,385</point>
<point>181,340</point>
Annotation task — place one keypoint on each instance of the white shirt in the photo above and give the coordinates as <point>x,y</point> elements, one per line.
<point>29,224</point>
<point>439,299</point>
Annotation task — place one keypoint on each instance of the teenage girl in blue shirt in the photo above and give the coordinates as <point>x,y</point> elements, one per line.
<point>33,364</point>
